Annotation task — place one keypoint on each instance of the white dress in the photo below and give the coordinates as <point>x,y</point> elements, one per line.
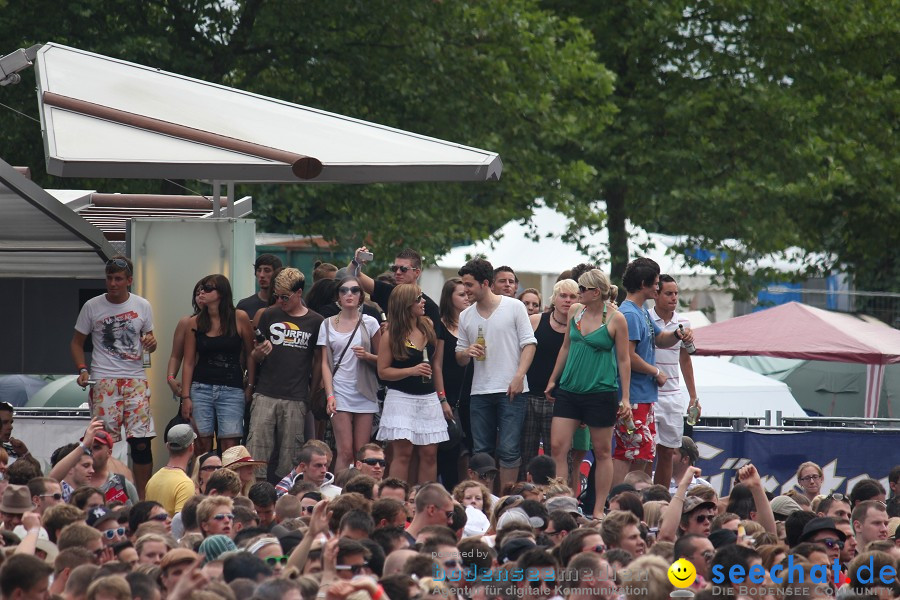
<point>347,397</point>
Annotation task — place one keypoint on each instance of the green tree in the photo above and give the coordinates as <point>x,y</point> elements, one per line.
<point>496,74</point>
<point>771,124</point>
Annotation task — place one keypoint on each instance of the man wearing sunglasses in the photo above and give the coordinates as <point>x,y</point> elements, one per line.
<point>407,268</point>
<point>45,492</point>
<point>121,328</point>
<point>370,461</point>
<point>289,366</point>
<point>263,269</point>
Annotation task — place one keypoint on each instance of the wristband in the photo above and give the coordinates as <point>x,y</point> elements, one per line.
<point>657,372</point>
<point>379,592</point>
<point>442,394</point>
<point>330,397</point>
<point>170,377</point>
<point>85,449</point>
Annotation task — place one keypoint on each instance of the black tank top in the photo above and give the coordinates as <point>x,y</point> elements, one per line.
<point>548,344</point>
<point>412,385</point>
<point>219,360</point>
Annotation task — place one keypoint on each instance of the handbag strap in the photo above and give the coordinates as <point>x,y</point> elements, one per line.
<point>337,365</point>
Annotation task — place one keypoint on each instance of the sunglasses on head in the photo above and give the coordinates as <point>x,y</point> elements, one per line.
<point>582,289</point>
<point>223,516</point>
<point>354,569</point>
<point>56,496</point>
<point>206,288</point>
<point>120,263</point>
<point>276,560</point>
<point>344,290</point>
<point>117,531</point>
<point>839,497</point>
<point>374,461</point>
<point>401,268</point>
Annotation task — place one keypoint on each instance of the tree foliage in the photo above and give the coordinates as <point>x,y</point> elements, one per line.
<point>752,126</point>
<point>496,74</point>
<point>772,124</point>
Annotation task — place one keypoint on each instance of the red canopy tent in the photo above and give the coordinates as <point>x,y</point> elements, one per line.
<point>795,330</point>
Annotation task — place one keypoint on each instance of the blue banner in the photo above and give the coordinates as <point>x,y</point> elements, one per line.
<point>845,457</point>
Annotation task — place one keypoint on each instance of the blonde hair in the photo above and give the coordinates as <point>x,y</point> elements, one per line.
<point>557,487</point>
<point>290,279</point>
<point>110,586</point>
<point>653,511</point>
<point>654,584</point>
<point>206,508</point>
<point>569,286</point>
<point>595,278</point>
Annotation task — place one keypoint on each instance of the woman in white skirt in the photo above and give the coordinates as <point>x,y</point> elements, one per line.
<point>408,361</point>
<point>348,372</point>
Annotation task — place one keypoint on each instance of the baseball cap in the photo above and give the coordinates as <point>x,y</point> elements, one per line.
<point>103,437</point>
<point>99,514</point>
<point>566,503</point>
<point>483,463</point>
<point>784,506</point>
<point>821,524</point>
<point>690,448</point>
<point>180,437</point>
<point>692,503</point>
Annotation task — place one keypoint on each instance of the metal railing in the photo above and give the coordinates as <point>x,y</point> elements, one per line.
<point>779,423</point>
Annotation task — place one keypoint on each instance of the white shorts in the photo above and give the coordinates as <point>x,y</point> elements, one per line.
<point>669,421</point>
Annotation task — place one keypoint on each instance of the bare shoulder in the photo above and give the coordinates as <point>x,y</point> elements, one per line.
<point>535,320</point>
<point>575,309</point>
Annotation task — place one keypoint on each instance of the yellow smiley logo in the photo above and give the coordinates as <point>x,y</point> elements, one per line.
<point>682,573</point>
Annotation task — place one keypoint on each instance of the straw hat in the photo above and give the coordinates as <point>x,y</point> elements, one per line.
<point>238,456</point>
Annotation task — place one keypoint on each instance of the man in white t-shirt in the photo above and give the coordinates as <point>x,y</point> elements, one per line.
<point>121,328</point>
<point>671,407</point>
<point>498,399</point>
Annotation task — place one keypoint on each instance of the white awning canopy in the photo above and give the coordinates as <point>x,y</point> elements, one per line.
<point>41,237</point>
<point>104,117</point>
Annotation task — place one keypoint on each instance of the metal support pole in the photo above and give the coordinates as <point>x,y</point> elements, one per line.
<point>217,195</point>
<point>230,191</point>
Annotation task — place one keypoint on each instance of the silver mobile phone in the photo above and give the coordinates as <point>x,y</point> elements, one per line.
<point>365,257</point>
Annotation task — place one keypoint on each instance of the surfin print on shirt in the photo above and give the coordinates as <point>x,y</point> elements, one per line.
<point>120,338</point>
<point>287,334</point>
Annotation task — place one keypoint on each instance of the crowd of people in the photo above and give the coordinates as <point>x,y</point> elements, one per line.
<point>360,440</point>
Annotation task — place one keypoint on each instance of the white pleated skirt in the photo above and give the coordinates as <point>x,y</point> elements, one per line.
<point>418,419</point>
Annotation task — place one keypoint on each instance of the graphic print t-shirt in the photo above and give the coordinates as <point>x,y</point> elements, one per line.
<point>116,331</point>
<point>285,373</point>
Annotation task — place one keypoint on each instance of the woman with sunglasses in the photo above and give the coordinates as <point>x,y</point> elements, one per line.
<point>350,339</point>
<point>204,466</point>
<point>595,347</point>
<point>415,408</point>
<point>215,352</point>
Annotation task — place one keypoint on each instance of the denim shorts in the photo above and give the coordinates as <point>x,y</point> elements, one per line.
<point>218,409</point>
